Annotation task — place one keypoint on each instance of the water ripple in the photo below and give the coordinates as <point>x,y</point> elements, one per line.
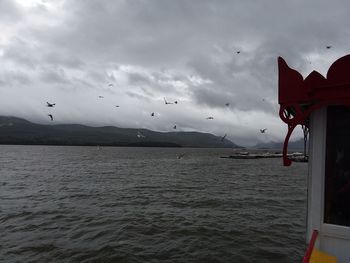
<point>77,204</point>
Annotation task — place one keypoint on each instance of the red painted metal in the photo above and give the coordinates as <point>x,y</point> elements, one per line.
<point>310,247</point>
<point>299,97</point>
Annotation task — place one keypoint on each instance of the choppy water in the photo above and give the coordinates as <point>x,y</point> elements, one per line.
<point>80,204</point>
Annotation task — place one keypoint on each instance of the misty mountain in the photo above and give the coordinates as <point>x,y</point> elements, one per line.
<point>20,131</point>
<point>292,145</point>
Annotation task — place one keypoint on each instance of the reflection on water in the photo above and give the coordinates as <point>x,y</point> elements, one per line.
<point>84,204</point>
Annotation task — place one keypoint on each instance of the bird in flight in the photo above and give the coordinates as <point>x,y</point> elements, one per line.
<point>263,130</point>
<point>166,102</point>
<point>210,118</point>
<point>101,97</point>
<point>152,114</point>
<point>50,104</point>
<point>180,156</point>
<point>328,47</point>
<point>117,106</point>
<point>223,137</point>
<point>110,85</point>
<point>51,117</point>
<point>140,135</point>
<point>227,104</point>
<point>238,52</point>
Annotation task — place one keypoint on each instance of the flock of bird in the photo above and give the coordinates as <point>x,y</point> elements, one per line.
<point>140,135</point>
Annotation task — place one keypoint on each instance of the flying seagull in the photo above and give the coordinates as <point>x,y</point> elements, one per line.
<point>308,60</point>
<point>140,135</point>
<point>50,104</point>
<point>51,117</point>
<point>223,137</point>
<point>166,102</point>
<point>180,156</point>
<point>263,130</point>
<point>117,106</point>
<point>328,47</point>
<point>210,118</point>
<point>238,52</point>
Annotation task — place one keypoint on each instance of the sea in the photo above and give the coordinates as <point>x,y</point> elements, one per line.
<point>120,204</point>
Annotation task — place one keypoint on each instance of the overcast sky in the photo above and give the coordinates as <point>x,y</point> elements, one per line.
<point>134,53</point>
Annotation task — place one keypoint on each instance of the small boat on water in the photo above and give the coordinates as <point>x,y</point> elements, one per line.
<point>321,105</point>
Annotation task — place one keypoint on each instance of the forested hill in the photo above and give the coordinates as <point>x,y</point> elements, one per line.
<point>20,131</point>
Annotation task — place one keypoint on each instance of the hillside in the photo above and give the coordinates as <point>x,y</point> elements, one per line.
<point>20,131</point>
<point>293,145</point>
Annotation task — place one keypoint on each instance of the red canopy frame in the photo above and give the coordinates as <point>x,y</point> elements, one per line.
<point>299,97</point>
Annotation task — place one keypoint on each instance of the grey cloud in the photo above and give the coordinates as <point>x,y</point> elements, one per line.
<point>9,12</point>
<point>21,52</point>
<point>99,76</point>
<point>56,76</point>
<point>243,89</point>
<point>62,59</point>
<point>136,78</point>
<point>138,96</point>
<point>212,97</point>
<point>186,50</point>
<point>157,82</point>
<point>9,78</point>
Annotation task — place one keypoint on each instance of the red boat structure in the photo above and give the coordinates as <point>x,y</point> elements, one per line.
<point>321,105</point>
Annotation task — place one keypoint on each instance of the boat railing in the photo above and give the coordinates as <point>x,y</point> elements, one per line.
<point>310,247</point>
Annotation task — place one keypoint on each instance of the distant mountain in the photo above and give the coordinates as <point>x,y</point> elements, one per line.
<point>19,131</point>
<point>295,145</point>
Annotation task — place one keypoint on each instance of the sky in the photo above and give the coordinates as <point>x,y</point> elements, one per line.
<point>136,53</point>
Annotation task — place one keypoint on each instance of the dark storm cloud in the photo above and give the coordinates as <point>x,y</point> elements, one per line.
<point>161,83</point>
<point>182,50</point>
<point>211,97</point>
<point>239,81</point>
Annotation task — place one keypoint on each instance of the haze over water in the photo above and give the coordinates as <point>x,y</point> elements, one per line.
<point>81,204</point>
